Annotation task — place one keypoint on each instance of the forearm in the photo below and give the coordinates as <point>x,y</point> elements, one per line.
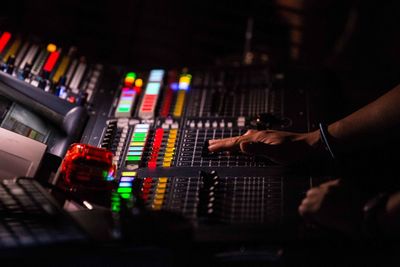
<point>375,118</point>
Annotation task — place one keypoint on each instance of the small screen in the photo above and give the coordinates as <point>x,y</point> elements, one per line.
<point>24,122</point>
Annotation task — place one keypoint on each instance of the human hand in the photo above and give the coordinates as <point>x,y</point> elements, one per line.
<point>334,206</point>
<point>278,146</point>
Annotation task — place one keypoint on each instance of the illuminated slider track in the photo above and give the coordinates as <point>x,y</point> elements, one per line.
<point>137,144</point>
<point>150,98</point>
<point>183,86</point>
<point>4,38</point>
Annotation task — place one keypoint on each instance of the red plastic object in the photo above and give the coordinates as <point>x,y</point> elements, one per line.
<point>86,166</point>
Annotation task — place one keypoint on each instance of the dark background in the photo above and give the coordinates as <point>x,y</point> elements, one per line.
<point>354,45</point>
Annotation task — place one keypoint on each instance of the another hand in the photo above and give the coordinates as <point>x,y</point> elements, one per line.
<point>280,147</point>
<point>334,206</point>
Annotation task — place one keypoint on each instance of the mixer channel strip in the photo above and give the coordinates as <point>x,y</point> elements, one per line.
<point>137,145</point>
<point>148,105</point>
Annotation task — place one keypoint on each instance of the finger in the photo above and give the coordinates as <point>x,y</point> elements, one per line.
<point>330,183</point>
<point>312,192</point>
<point>231,143</point>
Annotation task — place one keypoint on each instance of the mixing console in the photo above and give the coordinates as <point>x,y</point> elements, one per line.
<point>157,123</point>
<point>159,136</point>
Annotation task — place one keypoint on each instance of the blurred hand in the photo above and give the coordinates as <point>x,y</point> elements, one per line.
<point>280,147</point>
<point>334,206</point>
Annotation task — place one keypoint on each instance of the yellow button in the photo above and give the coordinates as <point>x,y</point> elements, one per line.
<point>163,185</point>
<point>51,48</point>
<point>160,191</point>
<point>173,131</point>
<point>167,164</point>
<point>159,197</point>
<point>156,207</point>
<point>162,179</point>
<point>170,150</point>
<point>137,143</point>
<point>158,202</point>
<point>171,145</point>
<point>128,173</point>
<point>169,155</point>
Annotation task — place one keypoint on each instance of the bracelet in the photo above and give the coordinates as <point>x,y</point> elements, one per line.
<point>326,139</point>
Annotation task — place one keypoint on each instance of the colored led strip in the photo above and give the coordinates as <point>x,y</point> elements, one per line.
<point>152,163</point>
<point>149,101</point>
<point>5,37</point>
<point>125,103</point>
<point>180,100</point>
<point>13,49</point>
<point>136,146</point>
<point>160,191</point>
<point>183,86</point>
<point>170,148</point>
<point>61,69</point>
<point>51,61</point>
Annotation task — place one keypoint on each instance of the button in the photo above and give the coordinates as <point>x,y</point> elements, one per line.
<point>162,179</point>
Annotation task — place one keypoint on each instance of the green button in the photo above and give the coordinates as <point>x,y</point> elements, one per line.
<point>139,135</point>
<point>139,139</point>
<point>133,158</point>
<point>126,195</point>
<point>124,190</point>
<point>123,109</point>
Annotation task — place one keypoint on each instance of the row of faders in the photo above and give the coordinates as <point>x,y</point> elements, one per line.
<point>50,68</point>
<point>217,198</point>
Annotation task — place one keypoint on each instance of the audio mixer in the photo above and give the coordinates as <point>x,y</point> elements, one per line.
<point>157,124</point>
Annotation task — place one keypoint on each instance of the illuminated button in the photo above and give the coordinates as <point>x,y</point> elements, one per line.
<point>162,179</point>
<point>124,190</point>
<point>160,191</point>
<point>139,83</point>
<point>170,150</point>
<point>158,202</point>
<point>126,195</point>
<point>133,158</point>
<point>156,75</point>
<point>162,185</point>
<point>126,179</point>
<point>51,48</point>
<point>125,184</point>
<point>137,144</point>
<point>169,155</point>
<point>171,145</point>
<point>166,164</point>
<point>131,74</point>
<point>135,148</point>
<point>134,153</point>
<point>128,173</point>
